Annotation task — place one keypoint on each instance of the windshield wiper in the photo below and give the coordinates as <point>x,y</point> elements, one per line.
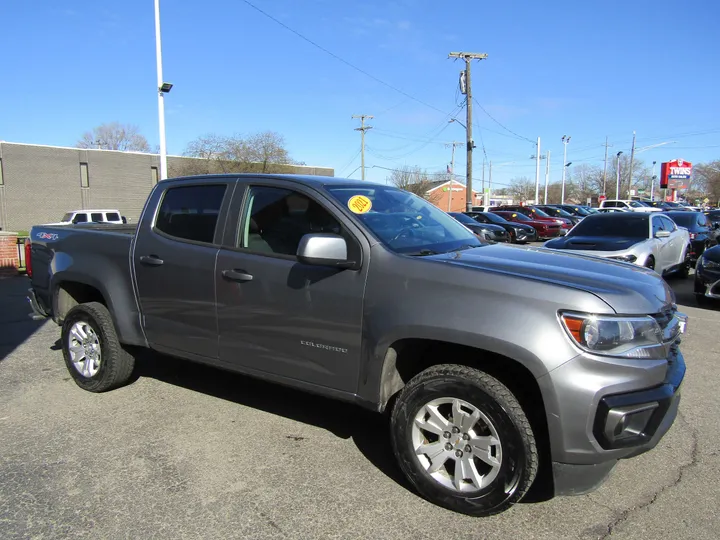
<point>463,248</point>
<point>422,253</point>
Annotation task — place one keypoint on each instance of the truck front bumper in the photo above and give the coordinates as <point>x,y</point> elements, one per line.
<point>623,419</point>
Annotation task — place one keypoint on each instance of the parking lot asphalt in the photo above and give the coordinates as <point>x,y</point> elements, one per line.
<point>186,451</point>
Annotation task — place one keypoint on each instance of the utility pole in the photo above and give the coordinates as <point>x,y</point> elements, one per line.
<point>652,183</point>
<point>565,141</point>
<point>547,174</point>
<point>632,157</point>
<point>489,185</point>
<point>452,171</point>
<point>617,181</point>
<point>362,129</point>
<point>537,173</point>
<point>605,169</point>
<point>468,57</point>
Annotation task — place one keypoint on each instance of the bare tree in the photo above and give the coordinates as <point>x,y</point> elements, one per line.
<point>707,180</point>
<point>414,180</point>
<point>261,152</point>
<point>522,188</point>
<point>115,136</point>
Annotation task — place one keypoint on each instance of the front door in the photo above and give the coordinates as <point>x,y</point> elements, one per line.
<point>664,245</point>
<point>276,315</point>
<point>174,260</point>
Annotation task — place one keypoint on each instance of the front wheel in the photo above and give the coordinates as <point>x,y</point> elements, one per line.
<point>93,355</point>
<point>650,263</point>
<point>463,440</point>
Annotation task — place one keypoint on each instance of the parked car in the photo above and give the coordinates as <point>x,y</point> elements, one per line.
<point>702,233</point>
<point>92,216</point>
<point>633,206</point>
<point>491,233</point>
<point>545,229</point>
<point>555,212</point>
<point>536,214</point>
<point>519,233</point>
<point>707,276</point>
<point>650,240</point>
<point>574,210</point>
<point>612,210</point>
<point>487,358</point>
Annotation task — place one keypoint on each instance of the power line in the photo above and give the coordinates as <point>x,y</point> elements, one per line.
<point>340,59</point>
<point>500,124</point>
<point>352,159</point>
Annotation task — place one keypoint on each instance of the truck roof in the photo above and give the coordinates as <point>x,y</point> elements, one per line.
<point>93,210</point>
<point>313,180</point>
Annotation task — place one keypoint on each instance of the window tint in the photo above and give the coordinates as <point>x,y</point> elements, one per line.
<point>276,219</point>
<point>80,218</point>
<point>191,212</point>
<point>96,217</point>
<point>113,216</point>
<point>609,204</point>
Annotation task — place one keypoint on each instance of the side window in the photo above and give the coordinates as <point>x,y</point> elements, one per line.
<point>96,217</point>
<point>191,212</point>
<point>702,221</point>
<point>657,225</point>
<point>80,218</point>
<point>276,219</point>
<point>609,204</point>
<point>668,224</point>
<point>113,216</point>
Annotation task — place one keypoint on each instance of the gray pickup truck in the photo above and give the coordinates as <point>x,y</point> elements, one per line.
<point>496,364</point>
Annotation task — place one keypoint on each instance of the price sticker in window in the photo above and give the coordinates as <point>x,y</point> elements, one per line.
<point>359,204</point>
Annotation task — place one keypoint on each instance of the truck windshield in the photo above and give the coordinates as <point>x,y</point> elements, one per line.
<point>404,222</point>
<point>67,217</point>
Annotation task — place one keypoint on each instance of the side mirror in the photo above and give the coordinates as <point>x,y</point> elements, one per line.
<point>662,234</point>
<point>324,249</point>
<point>124,219</point>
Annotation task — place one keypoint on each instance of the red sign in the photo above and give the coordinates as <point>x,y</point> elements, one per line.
<point>601,198</point>
<point>675,174</point>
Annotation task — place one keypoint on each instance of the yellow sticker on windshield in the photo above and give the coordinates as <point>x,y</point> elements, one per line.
<point>359,204</point>
<point>514,215</point>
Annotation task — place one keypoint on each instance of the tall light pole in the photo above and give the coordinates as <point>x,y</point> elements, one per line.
<point>617,181</point>
<point>565,141</point>
<point>547,174</point>
<point>652,182</point>
<point>162,88</point>
<point>537,158</point>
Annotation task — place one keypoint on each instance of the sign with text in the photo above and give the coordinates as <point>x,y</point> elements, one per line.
<point>675,174</point>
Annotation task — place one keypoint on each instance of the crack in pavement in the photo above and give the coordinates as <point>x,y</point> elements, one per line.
<point>627,513</point>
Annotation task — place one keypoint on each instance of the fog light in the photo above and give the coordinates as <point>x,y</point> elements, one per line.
<point>628,422</point>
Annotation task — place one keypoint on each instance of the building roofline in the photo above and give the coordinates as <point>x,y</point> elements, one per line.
<point>447,182</point>
<point>133,152</point>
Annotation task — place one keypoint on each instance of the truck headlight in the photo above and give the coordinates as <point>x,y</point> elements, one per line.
<point>627,337</point>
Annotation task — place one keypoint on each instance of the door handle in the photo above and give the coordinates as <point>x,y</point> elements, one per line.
<point>236,275</point>
<point>151,260</point>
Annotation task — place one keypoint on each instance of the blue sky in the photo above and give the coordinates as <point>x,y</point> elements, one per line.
<point>586,69</point>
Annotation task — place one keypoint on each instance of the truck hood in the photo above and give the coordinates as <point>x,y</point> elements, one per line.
<point>626,288</point>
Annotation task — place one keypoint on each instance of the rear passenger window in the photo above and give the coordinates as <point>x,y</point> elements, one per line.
<point>276,219</point>
<point>80,218</point>
<point>96,217</point>
<point>191,212</point>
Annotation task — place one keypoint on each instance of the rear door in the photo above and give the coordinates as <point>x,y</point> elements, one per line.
<point>174,261</point>
<point>279,316</point>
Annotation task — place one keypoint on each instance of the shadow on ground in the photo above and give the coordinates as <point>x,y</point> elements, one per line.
<point>15,324</point>
<point>369,431</point>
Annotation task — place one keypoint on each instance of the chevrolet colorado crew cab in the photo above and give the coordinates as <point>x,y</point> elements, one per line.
<point>496,364</point>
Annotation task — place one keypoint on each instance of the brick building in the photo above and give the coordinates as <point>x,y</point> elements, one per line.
<point>450,196</point>
<point>39,184</point>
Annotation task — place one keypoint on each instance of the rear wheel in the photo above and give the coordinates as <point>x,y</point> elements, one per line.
<point>650,263</point>
<point>93,355</point>
<point>463,440</point>
<point>684,270</point>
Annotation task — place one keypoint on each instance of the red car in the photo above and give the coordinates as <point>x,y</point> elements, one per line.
<point>536,214</point>
<point>545,229</point>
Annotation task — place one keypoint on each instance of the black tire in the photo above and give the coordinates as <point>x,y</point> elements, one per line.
<point>702,300</point>
<point>116,364</point>
<point>684,270</point>
<point>518,465</point>
<point>650,263</point>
